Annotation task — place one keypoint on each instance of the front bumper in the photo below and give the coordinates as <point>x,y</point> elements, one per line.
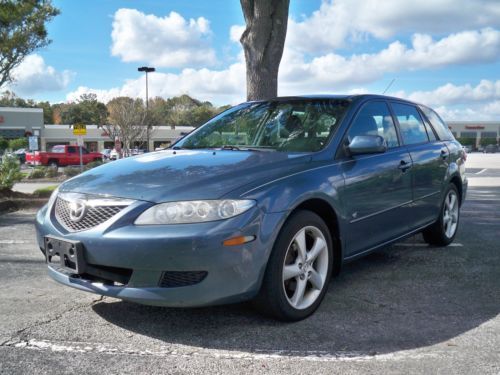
<point>232,273</point>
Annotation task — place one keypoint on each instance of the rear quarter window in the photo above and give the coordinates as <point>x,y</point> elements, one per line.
<point>437,123</point>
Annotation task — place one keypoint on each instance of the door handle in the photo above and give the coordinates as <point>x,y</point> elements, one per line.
<point>404,166</point>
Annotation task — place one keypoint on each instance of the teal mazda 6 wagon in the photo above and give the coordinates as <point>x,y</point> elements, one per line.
<point>264,202</point>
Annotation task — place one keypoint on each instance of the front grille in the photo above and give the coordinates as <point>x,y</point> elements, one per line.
<point>174,279</point>
<point>94,214</point>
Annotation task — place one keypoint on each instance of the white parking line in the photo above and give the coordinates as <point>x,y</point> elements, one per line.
<point>481,171</point>
<point>10,242</point>
<point>312,355</point>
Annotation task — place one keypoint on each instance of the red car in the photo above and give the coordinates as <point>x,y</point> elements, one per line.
<point>62,155</point>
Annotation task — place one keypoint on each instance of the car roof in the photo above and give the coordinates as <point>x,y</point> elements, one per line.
<point>352,97</point>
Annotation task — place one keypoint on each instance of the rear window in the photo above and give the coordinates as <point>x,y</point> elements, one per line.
<point>438,124</point>
<point>58,149</point>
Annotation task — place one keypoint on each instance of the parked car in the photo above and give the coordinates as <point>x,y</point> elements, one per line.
<point>490,149</point>
<point>106,153</point>
<point>61,156</point>
<point>308,184</point>
<point>114,155</point>
<point>21,155</point>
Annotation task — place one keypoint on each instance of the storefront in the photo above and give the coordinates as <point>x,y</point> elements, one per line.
<point>25,122</point>
<point>476,133</point>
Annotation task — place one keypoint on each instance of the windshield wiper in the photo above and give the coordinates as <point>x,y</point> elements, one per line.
<point>229,147</point>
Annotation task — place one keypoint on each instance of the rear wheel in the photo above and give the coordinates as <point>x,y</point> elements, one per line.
<point>53,163</point>
<point>299,268</point>
<point>443,231</point>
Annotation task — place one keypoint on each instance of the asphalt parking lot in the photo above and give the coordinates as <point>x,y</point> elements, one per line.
<point>409,308</point>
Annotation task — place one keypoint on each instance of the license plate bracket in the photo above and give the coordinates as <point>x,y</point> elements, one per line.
<point>65,254</point>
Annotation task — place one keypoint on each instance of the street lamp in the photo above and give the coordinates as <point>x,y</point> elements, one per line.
<point>147,70</point>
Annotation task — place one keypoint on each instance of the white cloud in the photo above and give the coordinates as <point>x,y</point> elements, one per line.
<point>220,87</point>
<point>333,72</point>
<point>170,41</point>
<point>33,75</point>
<point>450,94</point>
<point>341,21</point>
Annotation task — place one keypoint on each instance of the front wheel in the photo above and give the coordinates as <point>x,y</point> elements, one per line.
<point>299,268</point>
<point>443,231</point>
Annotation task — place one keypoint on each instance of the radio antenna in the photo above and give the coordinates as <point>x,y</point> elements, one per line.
<point>389,86</point>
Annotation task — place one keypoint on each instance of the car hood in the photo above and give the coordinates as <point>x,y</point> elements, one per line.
<point>184,174</point>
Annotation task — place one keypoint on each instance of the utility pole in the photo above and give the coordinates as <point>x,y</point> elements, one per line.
<point>147,70</point>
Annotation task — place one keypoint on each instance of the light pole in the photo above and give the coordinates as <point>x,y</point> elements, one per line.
<point>147,70</point>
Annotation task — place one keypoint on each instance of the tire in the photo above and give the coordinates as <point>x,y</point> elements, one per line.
<point>444,230</point>
<point>53,163</point>
<point>98,160</point>
<point>280,297</point>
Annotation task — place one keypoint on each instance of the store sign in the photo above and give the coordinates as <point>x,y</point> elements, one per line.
<point>474,127</point>
<point>79,129</point>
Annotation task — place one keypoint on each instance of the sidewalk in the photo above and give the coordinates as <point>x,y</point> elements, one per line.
<point>30,187</point>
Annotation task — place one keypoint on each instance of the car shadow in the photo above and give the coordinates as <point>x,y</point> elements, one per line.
<point>403,297</point>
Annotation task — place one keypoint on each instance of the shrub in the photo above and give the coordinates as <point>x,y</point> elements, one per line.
<point>44,192</point>
<point>71,171</point>
<point>92,164</point>
<point>38,172</point>
<point>4,144</point>
<point>51,172</point>
<point>10,172</point>
<point>15,144</point>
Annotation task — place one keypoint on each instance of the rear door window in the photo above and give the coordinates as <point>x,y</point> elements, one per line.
<point>71,149</point>
<point>411,124</point>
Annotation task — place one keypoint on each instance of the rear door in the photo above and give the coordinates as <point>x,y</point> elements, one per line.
<point>430,162</point>
<point>377,192</point>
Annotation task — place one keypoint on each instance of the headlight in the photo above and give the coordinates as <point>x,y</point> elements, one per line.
<point>193,211</point>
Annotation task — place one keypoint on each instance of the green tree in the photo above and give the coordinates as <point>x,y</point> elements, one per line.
<point>87,110</point>
<point>48,113</point>
<point>10,99</point>
<point>467,141</point>
<point>18,143</point>
<point>488,141</point>
<point>22,31</point>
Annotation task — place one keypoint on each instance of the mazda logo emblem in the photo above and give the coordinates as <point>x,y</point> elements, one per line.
<point>77,210</point>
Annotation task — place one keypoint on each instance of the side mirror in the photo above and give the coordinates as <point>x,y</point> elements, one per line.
<point>367,144</point>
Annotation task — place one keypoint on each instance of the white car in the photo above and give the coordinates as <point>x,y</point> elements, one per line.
<point>114,155</point>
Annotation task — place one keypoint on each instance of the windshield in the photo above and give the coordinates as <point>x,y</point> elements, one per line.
<point>292,126</point>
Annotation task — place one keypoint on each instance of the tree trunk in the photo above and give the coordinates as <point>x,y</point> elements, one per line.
<point>263,41</point>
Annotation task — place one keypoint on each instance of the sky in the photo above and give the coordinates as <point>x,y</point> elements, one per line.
<point>442,53</point>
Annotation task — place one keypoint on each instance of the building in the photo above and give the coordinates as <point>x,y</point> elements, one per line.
<point>20,122</point>
<point>476,132</point>
<point>24,122</point>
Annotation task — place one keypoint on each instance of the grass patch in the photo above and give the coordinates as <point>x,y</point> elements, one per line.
<point>44,192</point>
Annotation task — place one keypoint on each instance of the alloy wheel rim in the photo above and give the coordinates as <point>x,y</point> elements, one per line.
<point>305,267</point>
<point>450,214</point>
